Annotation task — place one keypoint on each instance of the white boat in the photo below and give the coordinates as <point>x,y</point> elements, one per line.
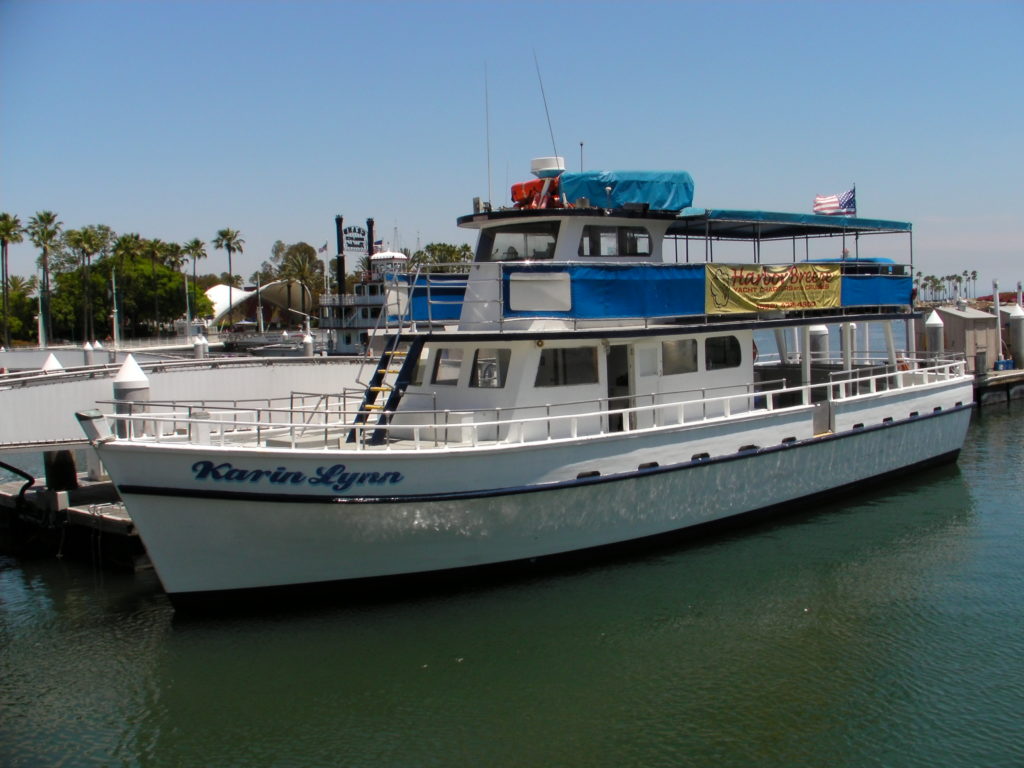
<point>591,379</point>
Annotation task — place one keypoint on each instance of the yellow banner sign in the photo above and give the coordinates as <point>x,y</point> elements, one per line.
<point>734,288</point>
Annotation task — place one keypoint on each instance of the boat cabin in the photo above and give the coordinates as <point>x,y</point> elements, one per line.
<point>572,306</point>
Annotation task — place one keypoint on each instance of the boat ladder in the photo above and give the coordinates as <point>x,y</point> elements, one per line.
<point>387,384</point>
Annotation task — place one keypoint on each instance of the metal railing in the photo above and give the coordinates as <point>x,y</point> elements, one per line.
<point>318,421</point>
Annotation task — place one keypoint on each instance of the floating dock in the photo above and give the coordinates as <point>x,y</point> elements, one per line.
<point>87,522</point>
<point>998,387</point>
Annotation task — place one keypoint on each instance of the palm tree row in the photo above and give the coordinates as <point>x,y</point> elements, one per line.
<point>73,251</point>
<point>933,288</point>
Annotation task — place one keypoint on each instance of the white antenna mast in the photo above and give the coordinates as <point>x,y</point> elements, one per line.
<point>487,122</point>
<point>545,98</point>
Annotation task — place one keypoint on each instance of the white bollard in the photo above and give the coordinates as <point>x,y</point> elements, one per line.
<point>52,364</point>
<point>935,337</point>
<point>130,387</point>
<point>819,342</point>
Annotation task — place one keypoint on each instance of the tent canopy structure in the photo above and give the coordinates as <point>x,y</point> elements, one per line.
<point>280,296</point>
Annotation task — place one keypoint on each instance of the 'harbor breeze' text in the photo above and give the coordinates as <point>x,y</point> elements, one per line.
<point>334,476</point>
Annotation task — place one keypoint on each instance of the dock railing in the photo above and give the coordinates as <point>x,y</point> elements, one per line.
<point>319,421</point>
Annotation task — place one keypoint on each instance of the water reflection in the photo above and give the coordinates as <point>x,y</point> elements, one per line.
<point>885,631</point>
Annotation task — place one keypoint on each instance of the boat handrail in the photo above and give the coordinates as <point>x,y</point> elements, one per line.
<point>246,424</point>
<point>426,279</point>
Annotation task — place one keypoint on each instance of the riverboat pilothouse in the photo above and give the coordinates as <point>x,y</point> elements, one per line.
<point>606,370</point>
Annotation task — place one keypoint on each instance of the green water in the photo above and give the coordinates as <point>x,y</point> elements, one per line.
<point>885,631</point>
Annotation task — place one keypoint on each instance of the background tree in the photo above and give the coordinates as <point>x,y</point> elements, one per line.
<point>22,305</point>
<point>154,250</point>
<point>88,242</point>
<point>229,240</point>
<point>194,250</point>
<point>44,230</point>
<point>270,270</point>
<point>126,249</point>
<point>302,265</point>
<point>442,253</point>
<point>11,231</point>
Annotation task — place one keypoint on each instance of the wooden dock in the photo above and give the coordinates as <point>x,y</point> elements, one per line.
<point>998,386</point>
<point>84,522</point>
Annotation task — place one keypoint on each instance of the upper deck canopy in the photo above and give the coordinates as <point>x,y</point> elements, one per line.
<point>715,224</point>
<point>768,225</point>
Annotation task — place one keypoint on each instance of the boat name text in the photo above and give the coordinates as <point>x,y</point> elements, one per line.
<point>334,476</point>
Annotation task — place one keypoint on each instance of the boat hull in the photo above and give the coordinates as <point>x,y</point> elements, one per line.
<point>222,536</point>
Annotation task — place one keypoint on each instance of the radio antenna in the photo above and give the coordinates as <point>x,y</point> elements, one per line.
<point>545,98</point>
<point>487,124</point>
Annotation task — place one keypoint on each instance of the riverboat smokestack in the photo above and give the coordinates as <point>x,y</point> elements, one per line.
<point>369,238</point>
<point>339,264</point>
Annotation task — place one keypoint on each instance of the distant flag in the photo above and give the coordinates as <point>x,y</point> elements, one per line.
<point>837,205</point>
<point>324,249</point>
<point>377,245</point>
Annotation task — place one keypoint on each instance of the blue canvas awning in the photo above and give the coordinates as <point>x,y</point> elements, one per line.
<point>659,190</point>
<point>769,225</point>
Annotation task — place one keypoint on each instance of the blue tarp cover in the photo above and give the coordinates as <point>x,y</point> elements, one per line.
<point>661,190</point>
<point>867,290</point>
<point>612,291</point>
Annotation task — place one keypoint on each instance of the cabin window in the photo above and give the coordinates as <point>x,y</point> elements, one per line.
<point>722,352</point>
<point>520,242</point>
<point>447,364</point>
<point>566,367</point>
<point>615,241</point>
<point>416,378</point>
<point>490,368</point>
<point>679,356</point>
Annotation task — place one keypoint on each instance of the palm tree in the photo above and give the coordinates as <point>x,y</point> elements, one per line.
<point>126,248</point>
<point>974,279</point>
<point>231,241</point>
<point>194,249</point>
<point>43,230</point>
<point>155,250</point>
<point>301,265</point>
<point>10,232</point>
<point>88,241</point>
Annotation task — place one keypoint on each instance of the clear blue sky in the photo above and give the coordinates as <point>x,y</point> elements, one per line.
<point>176,119</point>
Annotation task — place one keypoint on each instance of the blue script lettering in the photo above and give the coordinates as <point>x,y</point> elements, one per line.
<point>335,476</point>
<point>340,480</point>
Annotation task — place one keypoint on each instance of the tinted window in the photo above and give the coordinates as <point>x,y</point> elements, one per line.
<point>615,241</point>
<point>679,356</point>
<point>722,352</point>
<point>519,242</point>
<point>446,366</point>
<point>567,367</point>
<point>490,368</point>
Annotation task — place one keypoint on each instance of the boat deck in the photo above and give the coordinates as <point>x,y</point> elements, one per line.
<point>320,422</point>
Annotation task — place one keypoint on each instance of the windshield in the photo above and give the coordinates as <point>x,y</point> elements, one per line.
<point>524,241</point>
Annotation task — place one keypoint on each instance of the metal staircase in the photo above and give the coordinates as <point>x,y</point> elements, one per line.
<point>388,383</point>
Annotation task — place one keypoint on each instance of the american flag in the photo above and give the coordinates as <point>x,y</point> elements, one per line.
<point>324,249</point>
<point>837,205</point>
